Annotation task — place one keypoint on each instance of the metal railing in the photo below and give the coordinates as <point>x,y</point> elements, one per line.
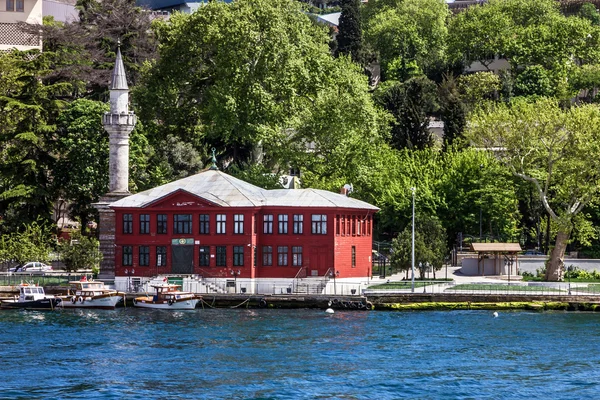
<point>40,278</point>
<point>487,288</point>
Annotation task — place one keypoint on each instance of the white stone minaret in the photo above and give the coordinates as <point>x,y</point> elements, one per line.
<point>118,122</point>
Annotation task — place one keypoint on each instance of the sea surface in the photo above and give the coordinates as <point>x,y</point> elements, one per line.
<point>298,354</point>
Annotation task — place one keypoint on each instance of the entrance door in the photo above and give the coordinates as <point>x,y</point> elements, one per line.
<point>318,260</point>
<point>182,259</point>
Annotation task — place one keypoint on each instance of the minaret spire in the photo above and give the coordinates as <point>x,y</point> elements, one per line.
<point>119,123</point>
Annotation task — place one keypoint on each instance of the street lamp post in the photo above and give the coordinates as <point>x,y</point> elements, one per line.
<point>413,241</point>
<point>480,205</point>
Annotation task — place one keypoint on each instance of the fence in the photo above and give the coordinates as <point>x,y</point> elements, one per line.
<point>487,288</point>
<point>42,279</point>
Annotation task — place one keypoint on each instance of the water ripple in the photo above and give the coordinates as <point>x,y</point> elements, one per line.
<point>297,354</point>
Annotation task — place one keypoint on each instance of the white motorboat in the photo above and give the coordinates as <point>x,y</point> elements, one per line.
<point>168,297</point>
<point>91,294</point>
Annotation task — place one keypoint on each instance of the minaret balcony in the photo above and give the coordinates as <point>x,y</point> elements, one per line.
<point>123,119</point>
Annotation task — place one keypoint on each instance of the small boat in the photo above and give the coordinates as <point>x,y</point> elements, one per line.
<point>168,297</point>
<point>91,294</point>
<point>32,297</point>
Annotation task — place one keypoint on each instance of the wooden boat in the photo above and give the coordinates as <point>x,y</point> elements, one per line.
<point>91,294</point>
<point>168,297</point>
<point>32,297</point>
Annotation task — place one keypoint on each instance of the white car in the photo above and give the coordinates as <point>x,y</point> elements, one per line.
<point>32,267</point>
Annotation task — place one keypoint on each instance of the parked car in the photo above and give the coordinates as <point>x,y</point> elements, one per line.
<point>31,267</point>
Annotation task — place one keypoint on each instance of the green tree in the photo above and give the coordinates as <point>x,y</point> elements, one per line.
<point>28,110</point>
<point>31,243</point>
<point>81,252</point>
<point>452,111</point>
<point>349,37</point>
<point>555,150</point>
<point>478,87</point>
<point>409,35</point>
<point>249,78</point>
<point>430,246</point>
<point>411,103</point>
<point>527,33</point>
<point>478,193</point>
<point>589,11</point>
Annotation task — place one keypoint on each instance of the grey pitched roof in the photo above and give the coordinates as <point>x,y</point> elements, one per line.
<point>118,78</point>
<point>225,190</point>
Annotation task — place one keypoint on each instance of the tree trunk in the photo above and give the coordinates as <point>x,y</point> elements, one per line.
<point>554,266</point>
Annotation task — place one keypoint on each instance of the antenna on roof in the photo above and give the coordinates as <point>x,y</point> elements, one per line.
<point>214,167</point>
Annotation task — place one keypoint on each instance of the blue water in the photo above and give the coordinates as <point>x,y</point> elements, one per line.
<point>298,354</point>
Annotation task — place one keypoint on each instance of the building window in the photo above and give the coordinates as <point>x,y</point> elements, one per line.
<point>238,223</point>
<point>221,256</point>
<point>297,256</point>
<point>10,5</point>
<point>145,223</point>
<point>268,223</point>
<point>282,219</point>
<point>144,253</point>
<point>127,255</point>
<point>359,226</point>
<point>298,224</point>
<point>20,5</point>
<point>282,255</point>
<point>161,256</point>
<point>161,223</point>
<point>338,225</point>
<point>204,256</point>
<point>353,256</point>
<point>182,223</point>
<point>221,220</point>
<point>204,224</point>
<point>319,224</point>
<point>127,223</point>
<point>267,255</point>
<point>238,256</point>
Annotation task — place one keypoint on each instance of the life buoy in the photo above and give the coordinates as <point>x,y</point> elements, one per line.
<point>74,299</point>
<point>262,303</point>
<point>81,299</point>
<point>335,301</point>
<point>369,305</point>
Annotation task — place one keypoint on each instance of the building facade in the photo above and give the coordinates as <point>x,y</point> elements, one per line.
<point>217,228</point>
<point>13,12</point>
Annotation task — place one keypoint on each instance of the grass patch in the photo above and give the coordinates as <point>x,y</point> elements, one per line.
<point>503,288</point>
<point>527,278</point>
<point>407,284</point>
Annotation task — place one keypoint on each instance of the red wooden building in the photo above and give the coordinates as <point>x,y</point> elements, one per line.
<point>212,225</point>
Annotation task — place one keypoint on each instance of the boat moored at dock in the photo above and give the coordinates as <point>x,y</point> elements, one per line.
<point>168,297</point>
<point>91,294</point>
<point>32,297</point>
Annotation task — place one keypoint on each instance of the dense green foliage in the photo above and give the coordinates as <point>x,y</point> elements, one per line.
<point>258,81</point>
